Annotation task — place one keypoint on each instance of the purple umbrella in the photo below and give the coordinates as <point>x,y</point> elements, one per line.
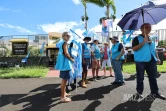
<point>148,13</point>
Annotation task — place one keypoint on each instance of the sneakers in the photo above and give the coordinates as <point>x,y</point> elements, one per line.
<point>98,77</point>
<point>158,95</point>
<point>94,79</point>
<point>139,95</point>
<point>118,83</point>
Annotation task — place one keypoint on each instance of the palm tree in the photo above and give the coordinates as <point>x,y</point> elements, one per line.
<point>104,3</point>
<point>85,17</point>
<point>108,4</point>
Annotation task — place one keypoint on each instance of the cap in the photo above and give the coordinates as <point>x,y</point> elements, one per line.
<point>115,38</point>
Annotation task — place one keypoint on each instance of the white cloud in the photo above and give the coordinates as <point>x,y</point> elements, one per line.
<point>157,2</point>
<point>160,25</point>
<point>58,26</point>
<point>17,28</point>
<point>77,2</point>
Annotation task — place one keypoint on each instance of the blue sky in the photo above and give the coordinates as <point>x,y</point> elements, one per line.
<point>43,16</point>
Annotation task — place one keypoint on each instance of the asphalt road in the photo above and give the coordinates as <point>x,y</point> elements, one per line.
<point>43,95</point>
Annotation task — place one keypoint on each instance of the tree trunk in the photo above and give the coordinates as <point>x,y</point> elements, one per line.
<point>108,14</point>
<point>86,24</point>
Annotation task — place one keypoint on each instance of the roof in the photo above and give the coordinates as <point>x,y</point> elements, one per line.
<point>54,35</point>
<point>19,40</point>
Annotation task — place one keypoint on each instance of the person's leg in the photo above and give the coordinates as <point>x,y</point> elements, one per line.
<point>97,69</point>
<point>140,69</point>
<point>94,67</point>
<point>119,71</point>
<point>151,70</point>
<point>113,66</point>
<point>93,72</point>
<point>83,78</point>
<point>110,67</point>
<point>104,67</point>
<point>63,88</point>
<point>86,71</point>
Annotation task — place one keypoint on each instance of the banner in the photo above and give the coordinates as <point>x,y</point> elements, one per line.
<point>42,48</point>
<point>106,24</point>
<point>76,52</point>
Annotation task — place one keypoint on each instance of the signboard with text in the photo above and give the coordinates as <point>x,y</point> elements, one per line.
<point>19,48</point>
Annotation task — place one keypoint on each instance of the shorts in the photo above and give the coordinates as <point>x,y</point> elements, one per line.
<point>65,74</point>
<point>106,62</point>
<point>87,64</point>
<point>96,64</point>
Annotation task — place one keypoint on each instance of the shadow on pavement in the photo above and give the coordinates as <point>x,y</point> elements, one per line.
<point>92,106</point>
<point>133,104</point>
<point>94,94</point>
<point>131,78</point>
<point>41,101</point>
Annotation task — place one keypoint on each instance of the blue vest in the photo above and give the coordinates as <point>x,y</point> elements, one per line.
<point>115,52</point>
<point>108,53</point>
<point>145,53</point>
<point>87,52</point>
<point>97,51</point>
<point>63,63</point>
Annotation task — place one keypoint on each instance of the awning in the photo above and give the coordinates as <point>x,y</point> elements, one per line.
<point>19,40</point>
<point>54,35</point>
<point>51,46</point>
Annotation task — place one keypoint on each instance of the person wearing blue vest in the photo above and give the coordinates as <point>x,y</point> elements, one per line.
<point>96,59</point>
<point>64,64</point>
<point>106,59</point>
<point>86,57</point>
<point>146,59</point>
<point>117,58</point>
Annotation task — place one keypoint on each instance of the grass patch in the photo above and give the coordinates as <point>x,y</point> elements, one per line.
<point>24,72</point>
<point>130,68</point>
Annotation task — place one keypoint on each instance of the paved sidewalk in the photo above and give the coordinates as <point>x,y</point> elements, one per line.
<point>55,73</point>
<point>43,95</point>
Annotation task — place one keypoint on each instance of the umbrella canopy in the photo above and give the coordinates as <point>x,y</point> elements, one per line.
<point>148,13</point>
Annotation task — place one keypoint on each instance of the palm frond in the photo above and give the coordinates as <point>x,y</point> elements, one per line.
<point>112,5</point>
<point>96,2</point>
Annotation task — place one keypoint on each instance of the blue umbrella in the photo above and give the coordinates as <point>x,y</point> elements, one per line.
<point>148,13</point>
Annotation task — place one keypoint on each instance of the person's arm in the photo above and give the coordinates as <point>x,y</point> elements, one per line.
<point>83,53</point>
<point>121,48</point>
<point>158,59</point>
<point>136,46</point>
<point>92,50</point>
<point>66,52</point>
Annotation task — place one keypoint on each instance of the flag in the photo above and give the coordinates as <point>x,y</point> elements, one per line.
<point>126,39</point>
<point>95,36</point>
<point>26,58</point>
<point>110,23</point>
<point>76,52</point>
<point>129,37</point>
<point>106,24</point>
<point>42,48</point>
<point>154,38</point>
<point>59,43</point>
<point>85,33</point>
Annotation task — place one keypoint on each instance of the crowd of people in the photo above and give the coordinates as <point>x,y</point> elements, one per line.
<point>145,58</point>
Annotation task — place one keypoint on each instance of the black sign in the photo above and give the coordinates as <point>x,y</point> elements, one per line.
<point>19,48</point>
